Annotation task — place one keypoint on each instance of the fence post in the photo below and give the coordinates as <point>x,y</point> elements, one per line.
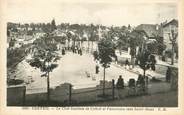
<point>70,94</point>
<point>113,89</point>
<point>24,96</point>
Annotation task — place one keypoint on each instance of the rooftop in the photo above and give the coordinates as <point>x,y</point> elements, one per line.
<point>172,22</point>
<point>150,29</point>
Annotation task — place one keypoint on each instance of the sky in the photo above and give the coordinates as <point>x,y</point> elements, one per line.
<point>117,14</point>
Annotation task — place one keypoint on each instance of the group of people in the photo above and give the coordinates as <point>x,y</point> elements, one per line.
<point>77,50</point>
<point>141,80</point>
<point>132,82</point>
<point>74,49</point>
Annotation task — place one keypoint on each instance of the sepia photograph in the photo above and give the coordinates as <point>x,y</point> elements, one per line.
<point>117,54</point>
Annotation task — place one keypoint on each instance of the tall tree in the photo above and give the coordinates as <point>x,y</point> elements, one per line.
<point>53,25</point>
<point>135,40</point>
<point>44,58</point>
<point>106,53</point>
<point>146,61</point>
<point>158,45</point>
<point>122,42</point>
<point>92,35</point>
<point>46,28</point>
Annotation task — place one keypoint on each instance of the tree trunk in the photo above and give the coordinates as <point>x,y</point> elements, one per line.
<point>132,61</point>
<point>172,57</point>
<point>96,45</point>
<point>68,43</point>
<point>74,42</point>
<point>81,44</point>
<point>145,78</point>
<point>92,46</point>
<point>144,74</point>
<point>120,51</point>
<point>88,45</point>
<point>48,88</point>
<point>104,83</point>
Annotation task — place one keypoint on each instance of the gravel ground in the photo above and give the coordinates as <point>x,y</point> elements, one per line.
<point>72,69</point>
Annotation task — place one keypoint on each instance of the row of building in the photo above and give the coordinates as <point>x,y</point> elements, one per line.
<point>163,31</point>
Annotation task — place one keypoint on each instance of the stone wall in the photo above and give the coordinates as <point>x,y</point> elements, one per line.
<point>16,95</point>
<point>174,79</point>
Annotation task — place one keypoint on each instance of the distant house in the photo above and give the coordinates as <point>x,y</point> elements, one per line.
<point>151,30</point>
<point>38,34</point>
<point>151,33</point>
<point>171,25</point>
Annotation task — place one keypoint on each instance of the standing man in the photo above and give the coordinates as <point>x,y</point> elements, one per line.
<point>120,83</point>
<point>120,86</point>
<point>97,69</point>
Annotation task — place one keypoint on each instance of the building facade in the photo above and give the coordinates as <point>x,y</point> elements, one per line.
<point>167,28</point>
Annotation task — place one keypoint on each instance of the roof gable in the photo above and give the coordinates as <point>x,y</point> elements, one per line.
<point>172,22</point>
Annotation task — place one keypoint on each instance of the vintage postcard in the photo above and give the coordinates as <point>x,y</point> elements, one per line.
<point>95,56</point>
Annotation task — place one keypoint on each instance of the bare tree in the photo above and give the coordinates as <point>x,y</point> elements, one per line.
<point>172,38</point>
